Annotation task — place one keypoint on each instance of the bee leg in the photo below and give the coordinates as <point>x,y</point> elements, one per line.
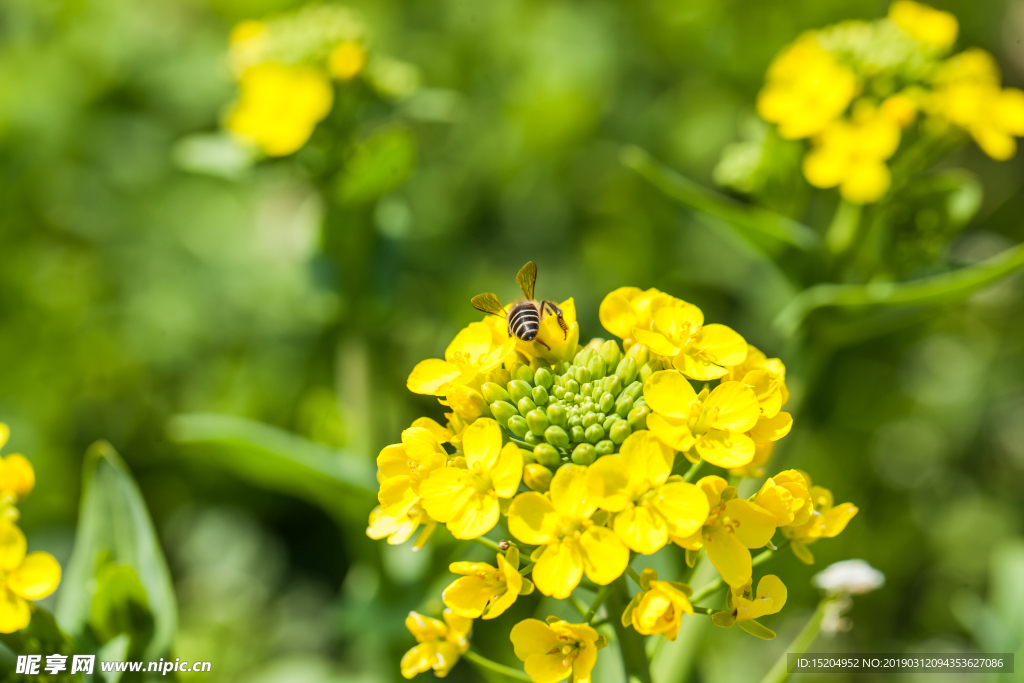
<point>550,305</point>
<point>542,343</point>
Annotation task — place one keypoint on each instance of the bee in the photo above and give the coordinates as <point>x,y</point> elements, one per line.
<point>525,314</point>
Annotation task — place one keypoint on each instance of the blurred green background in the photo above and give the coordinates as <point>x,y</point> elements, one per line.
<point>133,290</point>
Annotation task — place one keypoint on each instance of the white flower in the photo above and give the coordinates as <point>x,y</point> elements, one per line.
<point>853,577</point>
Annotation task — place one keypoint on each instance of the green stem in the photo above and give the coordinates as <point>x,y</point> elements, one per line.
<point>631,643</point>
<point>691,473</point>
<point>843,229</point>
<point>521,444</point>
<point>485,663</point>
<point>578,606</point>
<point>600,622</point>
<point>526,570</point>
<point>780,670</point>
<point>599,599</point>
<point>488,543</point>
<point>697,609</point>
<point>631,573</point>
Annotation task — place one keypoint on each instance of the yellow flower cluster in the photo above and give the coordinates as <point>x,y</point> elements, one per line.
<point>283,67</point>
<point>23,576</point>
<point>590,455</point>
<point>835,87</point>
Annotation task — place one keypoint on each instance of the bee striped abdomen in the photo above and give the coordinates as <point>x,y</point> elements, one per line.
<point>524,321</point>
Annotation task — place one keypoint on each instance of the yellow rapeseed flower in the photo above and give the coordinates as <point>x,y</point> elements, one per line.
<point>561,346</point>
<point>826,520</point>
<point>786,496</point>
<point>852,155</point>
<point>743,608</point>
<point>630,308</point>
<point>552,651</point>
<point>733,527</point>
<point>485,590</point>
<point>347,60</point>
<point>17,478</point>
<point>466,499</point>
<point>659,606</point>
<point>649,506</point>
<point>571,543</point>
<point>279,105</point>
<point>473,352</point>
<point>805,90</point>
<point>697,350</point>
<point>399,529</point>
<point>404,466</point>
<point>22,578</point>
<point>441,643</point>
<point>766,376</point>
<point>715,423</point>
<point>932,27</point>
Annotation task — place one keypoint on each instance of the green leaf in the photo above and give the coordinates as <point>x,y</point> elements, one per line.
<point>929,291</point>
<point>379,165</point>
<point>120,605</point>
<point>756,629</point>
<point>42,636</point>
<point>114,527</point>
<point>746,217</point>
<point>341,483</point>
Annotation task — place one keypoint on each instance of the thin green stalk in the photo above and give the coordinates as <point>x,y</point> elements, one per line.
<point>780,670</point>
<point>631,573</point>
<point>631,643</point>
<point>599,599</point>
<point>577,605</point>
<point>522,444</point>
<point>485,663</point>
<point>697,609</point>
<point>488,543</point>
<point>526,570</point>
<point>691,473</point>
<point>843,230</point>
<point>600,622</point>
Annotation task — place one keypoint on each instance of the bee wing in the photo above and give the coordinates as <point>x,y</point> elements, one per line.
<point>488,303</point>
<point>527,278</point>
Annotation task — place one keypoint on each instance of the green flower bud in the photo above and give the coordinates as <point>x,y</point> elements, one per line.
<point>645,372</point>
<point>572,386</point>
<point>547,455</point>
<point>556,436</point>
<point>575,421</point>
<point>525,405</point>
<point>562,367</point>
<point>594,433</point>
<point>569,397</point>
<point>634,390</point>
<point>533,439</point>
<point>583,357</point>
<point>619,431</point>
<point>502,411</point>
<point>577,433</point>
<point>588,406</point>
<point>584,454</point>
<point>611,353</point>
<point>596,367</point>
<point>528,456</point>
<point>604,447</point>
<point>640,353</point>
<point>578,400</point>
<point>613,385</point>
<point>540,395</point>
<point>557,415</point>
<point>493,392</point>
<point>609,421</point>
<point>537,477</point>
<point>590,419</point>
<point>524,374</point>
<point>627,369</point>
<point>582,375</point>
<point>622,406</point>
<point>518,390</point>
<point>559,392</point>
<point>517,425</point>
<point>543,378</point>
<point>587,389</point>
<point>638,417</point>
<point>607,403</point>
<point>537,421</point>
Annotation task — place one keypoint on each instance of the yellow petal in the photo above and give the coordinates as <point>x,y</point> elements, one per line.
<point>777,500</point>
<point>37,577</point>
<point>477,516</point>
<point>5,432</point>
<point>1008,114</point>
<point>866,182</point>
<point>722,345</point>
<point>419,659</point>
<point>16,475</point>
<point>608,483</point>
<point>647,459</point>
<point>569,492</point>
<point>729,556</point>
<point>583,667</point>
<point>545,668</point>
<point>441,434</point>
<point>770,598</point>
<point>752,525</point>
<point>616,312</point>
<point>532,637</point>
<point>430,376</point>
<point>425,628</point>
<point>559,569</point>
<point>737,407</point>
<point>673,432</point>
<point>513,584</point>
<point>683,505</point>
<point>507,471</point>
<point>605,556</point>
<point>642,531</point>
<point>396,496</point>
<point>458,628</point>
<point>656,341</point>
<point>725,449</point>
<point>697,367</point>
<point>677,322</point>
<point>770,429</point>
<point>667,392</point>
<point>472,343</point>
<point>12,546</point>
<point>393,461</point>
<point>472,568</point>
<point>532,518</point>
<point>14,612</point>
<point>468,596</point>
<point>445,492</point>
<point>836,519</point>
<point>481,443</point>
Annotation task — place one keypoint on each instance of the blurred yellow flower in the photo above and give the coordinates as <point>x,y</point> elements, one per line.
<point>659,606</point>
<point>697,350</point>
<point>246,43</point>
<point>734,525</point>
<point>630,308</point>
<point>967,93</point>
<point>279,105</point>
<point>715,423</point>
<point>403,468</point>
<point>399,529</point>
<point>806,89</point>
<point>852,155</point>
<point>554,650</point>
<point>570,542</point>
<point>17,478</point>
<point>932,27</point>
<point>347,60</point>
<point>648,504</point>
<point>485,590</point>
<point>22,578</point>
<point>441,643</point>
<point>474,351</point>
<point>826,520</point>
<point>466,499</point>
